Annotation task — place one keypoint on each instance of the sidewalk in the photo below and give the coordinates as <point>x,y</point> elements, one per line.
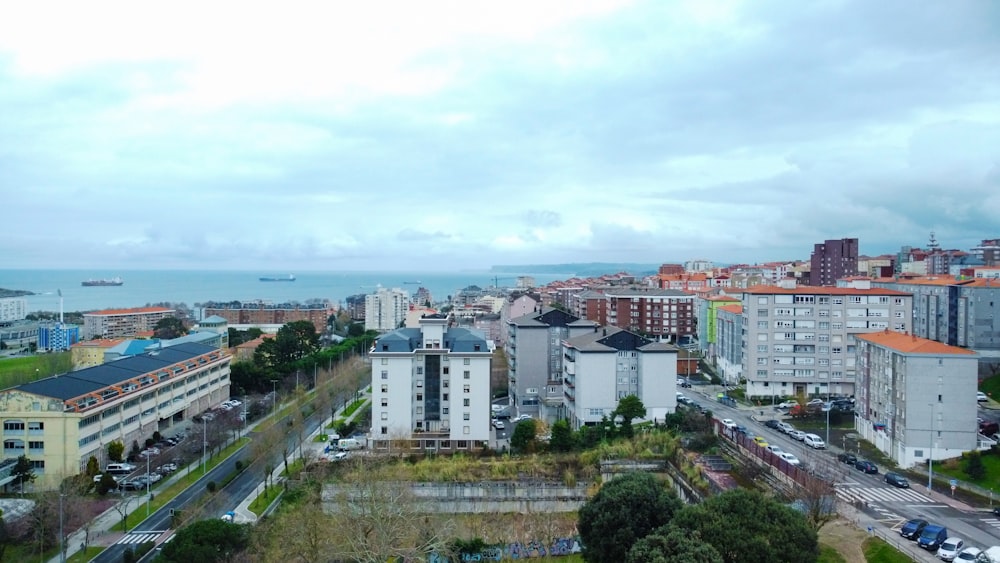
<point>100,525</point>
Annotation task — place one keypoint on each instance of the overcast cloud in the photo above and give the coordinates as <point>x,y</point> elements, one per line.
<point>449,135</point>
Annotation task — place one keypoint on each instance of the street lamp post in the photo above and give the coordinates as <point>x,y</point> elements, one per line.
<point>274,396</point>
<point>147,485</point>
<point>204,446</point>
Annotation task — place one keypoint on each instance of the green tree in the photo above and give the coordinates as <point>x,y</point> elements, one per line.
<point>629,408</point>
<point>294,341</point>
<point>169,327</point>
<point>248,377</point>
<point>562,437</point>
<point>116,450</point>
<point>93,468</point>
<point>625,510</point>
<point>974,466</point>
<point>674,547</point>
<point>523,439</point>
<point>22,472</point>
<point>355,330</point>
<point>106,484</point>
<point>205,541</point>
<point>747,527</point>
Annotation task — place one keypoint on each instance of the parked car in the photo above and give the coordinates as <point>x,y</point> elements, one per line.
<point>772,423</point>
<point>913,528</point>
<point>521,418</point>
<point>814,441</point>
<point>847,457</point>
<point>866,466</point>
<point>729,423</point>
<point>760,441</point>
<point>981,397</point>
<point>797,434</point>
<point>932,537</point>
<point>815,402</point>
<point>968,554</point>
<point>785,405</point>
<point>168,467</point>
<point>683,382</point>
<point>774,449</point>
<point>498,424</point>
<point>897,480</point>
<point>785,428</point>
<point>790,458</point>
<point>950,549</point>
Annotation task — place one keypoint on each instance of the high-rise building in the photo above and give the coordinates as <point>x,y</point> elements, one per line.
<point>385,309</point>
<point>833,259</point>
<point>430,388</point>
<point>123,323</point>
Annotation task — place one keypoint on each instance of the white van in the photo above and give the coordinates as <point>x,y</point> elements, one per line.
<point>120,468</point>
<point>814,441</point>
<point>346,444</point>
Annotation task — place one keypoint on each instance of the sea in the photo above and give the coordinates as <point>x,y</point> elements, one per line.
<point>196,287</point>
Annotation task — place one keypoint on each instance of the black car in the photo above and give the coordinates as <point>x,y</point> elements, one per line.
<point>866,466</point>
<point>848,458</point>
<point>912,528</point>
<point>897,480</point>
<point>771,423</point>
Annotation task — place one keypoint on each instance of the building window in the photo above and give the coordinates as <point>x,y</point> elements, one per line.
<point>444,370</point>
<point>444,397</point>
<point>465,416</point>
<point>385,388</point>
<point>466,430</point>
<point>385,416</point>
<point>385,361</point>
<point>466,361</point>
<point>420,370</point>
<point>13,426</point>
<point>444,383</point>
<point>36,426</point>
<point>465,388</point>
<point>420,383</point>
<point>385,430</point>
<point>420,410</point>
<point>466,374</point>
<point>36,445</point>
<point>385,402</point>
<point>385,374</point>
<point>420,396</point>
<point>465,402</point>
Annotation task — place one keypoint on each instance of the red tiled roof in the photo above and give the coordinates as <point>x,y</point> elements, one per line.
<point>910,344</point>
<point>737,309</point>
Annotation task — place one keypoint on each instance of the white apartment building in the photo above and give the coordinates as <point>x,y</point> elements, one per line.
<point>123,323</point>
<point>13,309</point>
<point>607,364</point>
<point>385,309</point>
<point>916,397</point>
<point>431,388</point>
<point>801,340</point>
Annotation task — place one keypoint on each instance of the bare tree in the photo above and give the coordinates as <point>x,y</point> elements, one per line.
<point>377,521</point>
<point>818,500</point>
<point>301,535</point>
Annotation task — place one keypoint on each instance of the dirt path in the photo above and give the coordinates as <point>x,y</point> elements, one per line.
<point>846,538</point>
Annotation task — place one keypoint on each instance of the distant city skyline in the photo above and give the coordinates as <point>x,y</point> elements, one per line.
<point>443,136</point>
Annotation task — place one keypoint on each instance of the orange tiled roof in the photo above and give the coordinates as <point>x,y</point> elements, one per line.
<point>910,344</point>
<point>817,290</point>
<point>982,282</point>
<point>721,298</point>
<point>737,309</point>
<point>132,311</point>
<point>922,280</point>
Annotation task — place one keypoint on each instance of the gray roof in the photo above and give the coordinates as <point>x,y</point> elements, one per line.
<point>406,340</point>
<point>646,292</point>
<point>548,316</point>
<point>614,339</point>
<point>88,380</point>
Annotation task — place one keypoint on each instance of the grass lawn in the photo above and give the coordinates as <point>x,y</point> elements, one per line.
<point>25,369</point>
<point>264,500</point>
<point>991,386</point>
<point>877,551</point>
<point>829,554</point>
<point>953,468</point>
<point>84,556</point>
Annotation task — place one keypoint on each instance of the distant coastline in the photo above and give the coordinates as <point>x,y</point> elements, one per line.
<point>14,293</point>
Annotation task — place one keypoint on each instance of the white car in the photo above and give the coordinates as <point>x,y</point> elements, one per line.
<point>521,417</point>
<point>981,397</point>
<point>790,458</point>
<point>950,548</point>
<point>785,428</point>
<point>785,405</point>
<point>775,450</point>
<point>814,441</point>
<point>968,554</point>
<point>797,434</point>
<point>498,424</point>
<point>729,423</point>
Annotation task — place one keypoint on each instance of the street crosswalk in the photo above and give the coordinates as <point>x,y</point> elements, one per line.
<point>881,494</point>
<point>994,522</point>
<point>139,537</point>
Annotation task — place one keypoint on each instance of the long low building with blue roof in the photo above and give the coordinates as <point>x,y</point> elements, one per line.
<point>60,422</point>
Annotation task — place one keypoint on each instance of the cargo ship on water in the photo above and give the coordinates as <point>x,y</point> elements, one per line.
<point>102,283</point>
<point>289,277</point>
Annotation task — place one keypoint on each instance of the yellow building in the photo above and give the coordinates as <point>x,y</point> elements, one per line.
<point>90,353</point>
<point>60,422</point>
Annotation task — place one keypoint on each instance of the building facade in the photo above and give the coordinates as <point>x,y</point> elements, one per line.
<point>13,309</point>
<point>535,361</point>
<point>430,388</point>
<point>801,340</point>
<point>706,307</point>
<point>262,313</point>
<point>60,422</point>
<point>832,260</point>
<point>607,364</point>
<point>385,309</point>
<point>916,398</point>
<point>123,323</point>
<point>57,336</point>
<point>728,348</point>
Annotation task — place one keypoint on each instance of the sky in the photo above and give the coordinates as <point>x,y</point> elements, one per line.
<point>445,135</point>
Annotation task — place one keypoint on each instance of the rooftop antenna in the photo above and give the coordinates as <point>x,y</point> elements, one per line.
<point>933,243</point>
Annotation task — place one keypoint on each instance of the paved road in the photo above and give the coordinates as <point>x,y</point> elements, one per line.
<point>886,505</point>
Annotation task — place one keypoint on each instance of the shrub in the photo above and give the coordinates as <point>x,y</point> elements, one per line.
<point>211,486</point>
